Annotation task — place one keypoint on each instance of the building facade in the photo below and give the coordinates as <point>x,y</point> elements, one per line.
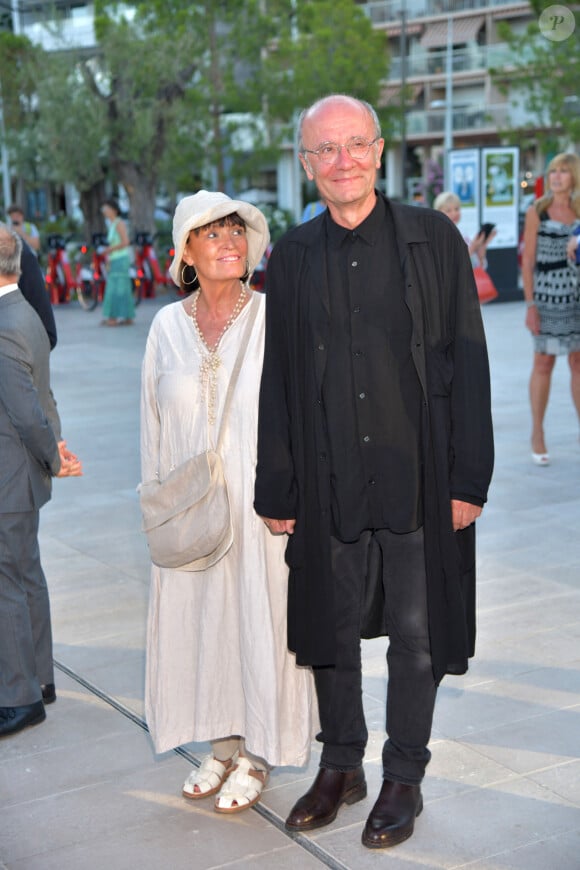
<point>442,56</point>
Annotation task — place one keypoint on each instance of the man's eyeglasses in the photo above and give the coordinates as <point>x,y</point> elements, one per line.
<point>328,152</point>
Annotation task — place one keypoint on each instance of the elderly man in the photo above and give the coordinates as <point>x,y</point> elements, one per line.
<point>374,435</point>
<point>31,453</point>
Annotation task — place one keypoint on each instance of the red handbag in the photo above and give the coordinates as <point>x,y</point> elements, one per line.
<point>486,289</point>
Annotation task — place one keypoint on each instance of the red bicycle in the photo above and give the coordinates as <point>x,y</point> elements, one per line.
<point>147,267</point>
<point>62,282</point>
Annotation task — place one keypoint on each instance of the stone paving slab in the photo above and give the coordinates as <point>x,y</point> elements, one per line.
<point>85,790</point>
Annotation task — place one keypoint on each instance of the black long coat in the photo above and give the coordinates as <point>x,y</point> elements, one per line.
<point>293,481</point>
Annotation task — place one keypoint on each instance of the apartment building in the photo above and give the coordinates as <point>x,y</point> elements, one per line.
<point>438,49</point>
<point>442,48</point>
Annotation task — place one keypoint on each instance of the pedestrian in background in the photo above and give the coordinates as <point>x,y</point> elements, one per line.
<point>450,204</point>
<point>25,229</point>
<point>118,302</point>
<point>550,283</point>
<point>32,453</point>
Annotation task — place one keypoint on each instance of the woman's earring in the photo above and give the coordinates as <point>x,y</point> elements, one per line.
<point>194,279</point>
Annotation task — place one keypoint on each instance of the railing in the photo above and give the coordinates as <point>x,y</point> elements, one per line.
<point>389,11</point>
<point>473,117</point>
<point>428,63</point>
<point>74,32</point>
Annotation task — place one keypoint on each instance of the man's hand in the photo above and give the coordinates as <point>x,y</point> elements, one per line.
<point>463,514</point>
<point>70,465</point>
<point>279,527</point>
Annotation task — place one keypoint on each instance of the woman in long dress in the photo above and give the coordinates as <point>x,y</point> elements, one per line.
<point>118,302</point>
<point>218,668</point>
<point>550,282</point>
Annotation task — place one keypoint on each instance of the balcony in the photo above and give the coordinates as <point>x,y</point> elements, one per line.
<point>471,59</point>
<point>59,25</point>
<point>475,117</point>
<point>388,11</point>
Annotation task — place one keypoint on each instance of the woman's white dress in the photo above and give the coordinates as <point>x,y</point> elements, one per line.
<point>217,659</point>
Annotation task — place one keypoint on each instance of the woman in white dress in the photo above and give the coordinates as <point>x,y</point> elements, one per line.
<point>218,667</point>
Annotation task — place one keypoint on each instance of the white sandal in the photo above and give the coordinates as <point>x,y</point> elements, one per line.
<point>209,777</point>
<point>241,790</point>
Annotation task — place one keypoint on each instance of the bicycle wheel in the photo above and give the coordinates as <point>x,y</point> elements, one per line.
<point>60,281</point>
<point>137,289</point>
<point>88,294</point>
<point>147,282</point>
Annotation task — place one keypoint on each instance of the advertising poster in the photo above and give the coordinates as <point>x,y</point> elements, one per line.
<point>464,182</point>
<point>499,194</point>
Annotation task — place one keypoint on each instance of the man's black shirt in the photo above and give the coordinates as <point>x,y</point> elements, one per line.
<point>371,392</point>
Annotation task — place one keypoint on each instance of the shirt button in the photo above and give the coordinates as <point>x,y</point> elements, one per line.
<point>362,395</point>
<point>358,353</point>
<point>356,310</point>
<point>372,482</point>
<point>366,438</point>
<point>354,263</point>
<point>320,347</point>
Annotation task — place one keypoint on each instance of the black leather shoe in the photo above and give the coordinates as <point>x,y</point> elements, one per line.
<point>329,791</point>
<point>48,693</point>
<point>13,719</point>
<point>392,818</point>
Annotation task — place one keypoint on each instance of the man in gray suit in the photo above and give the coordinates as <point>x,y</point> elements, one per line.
<point>31,453</point>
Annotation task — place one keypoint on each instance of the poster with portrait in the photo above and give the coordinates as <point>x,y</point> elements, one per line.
<point>464,183</point>
<point>499,194</point>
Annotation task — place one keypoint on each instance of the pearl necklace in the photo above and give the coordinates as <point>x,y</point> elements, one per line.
<point>210,358</point>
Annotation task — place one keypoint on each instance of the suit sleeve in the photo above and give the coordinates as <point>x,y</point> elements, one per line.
<point>23,407</point>
<point>275,490</point>
<point>33,288</point>
<point>471,422</point>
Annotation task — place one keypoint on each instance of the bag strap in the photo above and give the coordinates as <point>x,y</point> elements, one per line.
<point>253,311</point>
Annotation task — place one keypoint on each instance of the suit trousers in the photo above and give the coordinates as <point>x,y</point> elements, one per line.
<point>25,629</point>
<point>411,687</point>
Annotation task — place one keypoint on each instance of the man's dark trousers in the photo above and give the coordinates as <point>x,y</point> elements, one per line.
<point>411,690</point>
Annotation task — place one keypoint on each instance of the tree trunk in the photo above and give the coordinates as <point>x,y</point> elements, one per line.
<point>141,190</point>
<point>91,201</point>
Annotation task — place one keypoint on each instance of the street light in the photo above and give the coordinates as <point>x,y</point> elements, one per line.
<point>448,138</point>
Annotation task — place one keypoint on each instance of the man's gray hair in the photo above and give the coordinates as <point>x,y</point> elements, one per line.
<point>363,103</point>
<point>10,252</point>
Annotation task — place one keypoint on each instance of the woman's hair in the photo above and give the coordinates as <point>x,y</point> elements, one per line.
<point>112,203</point>
<point>571,162</point>
<point>445,199</point>
<point>230,220</point>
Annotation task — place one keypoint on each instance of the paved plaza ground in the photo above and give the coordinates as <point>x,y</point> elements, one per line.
<point>84,790</point>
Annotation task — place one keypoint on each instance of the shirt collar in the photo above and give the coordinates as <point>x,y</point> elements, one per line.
<point>369,230</point>
<point>8,288</point>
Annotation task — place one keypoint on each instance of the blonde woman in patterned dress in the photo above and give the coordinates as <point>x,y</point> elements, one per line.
<point>550,281</point>
<point>218,667</point>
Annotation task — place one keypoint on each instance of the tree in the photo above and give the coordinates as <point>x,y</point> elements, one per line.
<point>179,94</point>
<point>544,76</point>
<point>17,90</point>
<point>328,46</point>
<point>71,135</point>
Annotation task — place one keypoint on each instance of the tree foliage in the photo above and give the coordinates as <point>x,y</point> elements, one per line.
<point>178,94</point>
<point>544,75</point>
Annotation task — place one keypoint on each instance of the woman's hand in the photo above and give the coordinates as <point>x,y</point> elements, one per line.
<point>533,320</point>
